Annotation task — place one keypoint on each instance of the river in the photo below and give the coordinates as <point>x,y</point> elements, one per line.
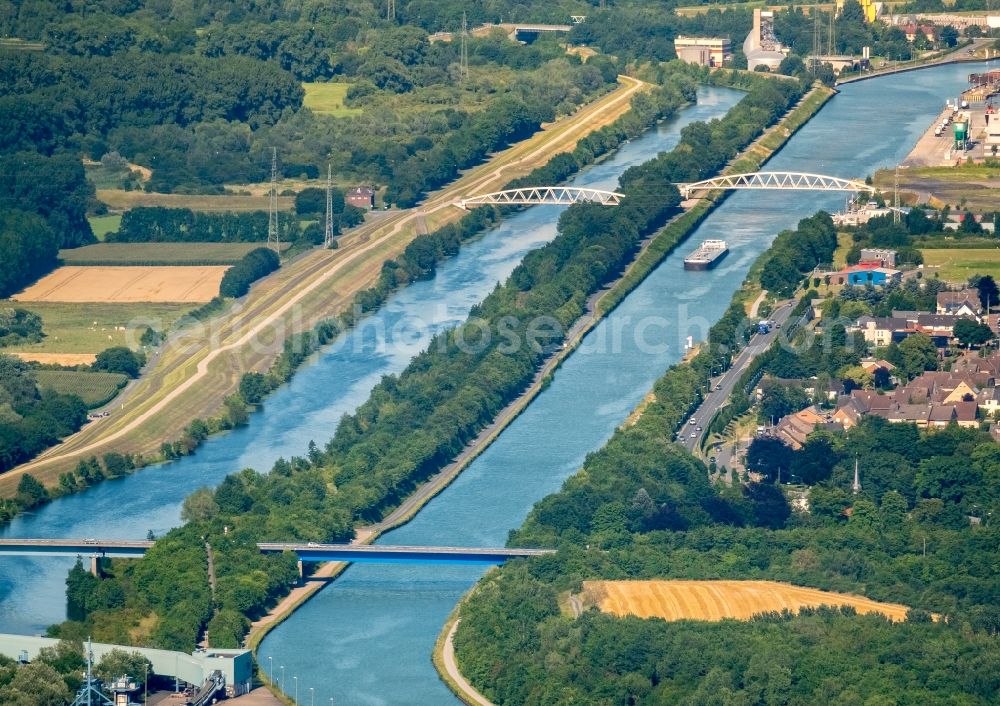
<point>333,383</point>
<point>368,638</point>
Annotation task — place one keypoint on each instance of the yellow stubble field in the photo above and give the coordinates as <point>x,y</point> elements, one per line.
<point>718,600</point>
<point>119,285</point>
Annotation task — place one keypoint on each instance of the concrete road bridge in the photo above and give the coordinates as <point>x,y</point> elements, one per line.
<point>306,551</point>
<point>542,195</point>
<point>788,181</point>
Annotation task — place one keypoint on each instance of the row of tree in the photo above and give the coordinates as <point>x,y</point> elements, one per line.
<point>257,263</point>
<point>156,224</point>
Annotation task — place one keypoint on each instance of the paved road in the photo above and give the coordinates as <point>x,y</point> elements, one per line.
<point>722,387</point>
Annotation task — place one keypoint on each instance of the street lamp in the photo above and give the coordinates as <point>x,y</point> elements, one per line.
<point>296,679</point>
<point>282,678</point>
<point>312,697</point>
<point>270,669</point>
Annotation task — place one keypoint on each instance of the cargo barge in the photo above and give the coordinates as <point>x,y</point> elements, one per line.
<point>706,256</point>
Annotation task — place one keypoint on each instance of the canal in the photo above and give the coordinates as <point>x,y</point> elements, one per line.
<point>368,638</point>
<point>334,383</point>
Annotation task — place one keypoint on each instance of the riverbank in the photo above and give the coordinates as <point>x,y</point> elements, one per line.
<point>195,376</point>
<point>958,54</point>
<point>750,159</point>
<point>662,243</point>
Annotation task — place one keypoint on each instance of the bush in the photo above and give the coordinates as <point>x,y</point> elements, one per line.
<point>120,359</point>
<point>254,265</point>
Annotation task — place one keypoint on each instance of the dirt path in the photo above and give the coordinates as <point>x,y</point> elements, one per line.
<point>469,693</point>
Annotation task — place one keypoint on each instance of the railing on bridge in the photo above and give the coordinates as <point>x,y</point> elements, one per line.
<point>306,551</point>
<point>794,181</point>
<point>539,195</point>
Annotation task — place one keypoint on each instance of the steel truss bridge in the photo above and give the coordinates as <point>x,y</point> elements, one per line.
<point>788,181</point>
<point>131,549</point>
<point>539,195</point>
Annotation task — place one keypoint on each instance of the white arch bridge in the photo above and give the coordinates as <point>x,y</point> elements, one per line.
<point>788,181</point>
<point>537,195</point>
<point>568,195</point>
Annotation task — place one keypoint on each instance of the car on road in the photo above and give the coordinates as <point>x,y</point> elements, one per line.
<point>718,387</point>
<point>693,422</point>
<point>312,544</point>
<point>90,540</point>
<point>694,435</point>
<point>697,428</point>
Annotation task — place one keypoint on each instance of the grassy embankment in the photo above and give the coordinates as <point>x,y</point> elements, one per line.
<point>192,380</point>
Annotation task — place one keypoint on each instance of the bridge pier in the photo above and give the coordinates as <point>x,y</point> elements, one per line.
<point>301,572</point>
<point>95,566</point>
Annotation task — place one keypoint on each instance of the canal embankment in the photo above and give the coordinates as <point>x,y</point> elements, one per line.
<point>652,252</point>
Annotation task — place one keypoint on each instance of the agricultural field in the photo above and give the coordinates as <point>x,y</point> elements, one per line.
<point>117,254</point>
<point>718,600</point>
<point>328,99</point>
<point>102,225</point>
<point>94,388</point>
<point>74,333</point>
<point>126,284</point>
<point>123,200</point>
<point>958,264</point>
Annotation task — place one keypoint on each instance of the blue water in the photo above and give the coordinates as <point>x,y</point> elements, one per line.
<point>32,591</point>
<point>368,638</point>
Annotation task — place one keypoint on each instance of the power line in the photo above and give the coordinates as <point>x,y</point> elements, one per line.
<point>272,214</point>
<point>464,56</point>
<point>328,235</point>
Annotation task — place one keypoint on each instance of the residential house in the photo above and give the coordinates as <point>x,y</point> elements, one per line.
<point>360,196</point>
<point>966,414</point>
<point>880,330</point>
<point>963,303</point>
<point>793,429</point>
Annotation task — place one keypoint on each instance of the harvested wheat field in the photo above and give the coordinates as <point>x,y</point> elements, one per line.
<point>119,285</point>
<point>57,358</point>
<point>717,600</point>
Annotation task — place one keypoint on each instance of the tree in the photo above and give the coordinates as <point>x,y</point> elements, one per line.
<point>769,508</point>
<point>949,36</point>
<point>119,663</point>
<point>199,506</point>
<point>917,354</point>
<point>970,224</point>
<point>769,456</point>
<point>970,332</point>
<point>30,492</point>
<point>120,359</point>
<point>989,293</point>
<point>254,387</point>
<point>36,684</point>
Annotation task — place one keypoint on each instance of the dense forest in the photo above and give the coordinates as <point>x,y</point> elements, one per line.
<point>31,420</point>
<point>643,508</point>
<point>416,422</point>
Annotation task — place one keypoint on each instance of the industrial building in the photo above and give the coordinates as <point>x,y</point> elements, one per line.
<point>761,46</point>
<point>704,51</point>
<point>236,666</point>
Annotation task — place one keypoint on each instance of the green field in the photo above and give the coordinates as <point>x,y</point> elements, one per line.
<point>159,253</point>
<point>957,265</point>
<point>90,328</point>
<point>102,225</point>
<point>95,389</point>
<point>328,99</point>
